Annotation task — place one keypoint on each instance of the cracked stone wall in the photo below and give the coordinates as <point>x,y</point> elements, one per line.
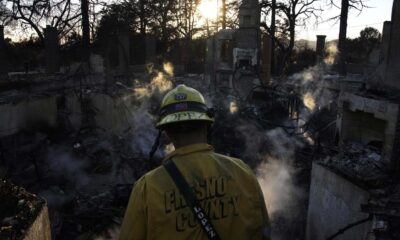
<point>28,113</point>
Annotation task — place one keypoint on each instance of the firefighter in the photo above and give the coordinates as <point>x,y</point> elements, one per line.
<point>224,200</point>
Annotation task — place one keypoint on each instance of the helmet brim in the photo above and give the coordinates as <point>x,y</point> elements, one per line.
<point>183,117</point>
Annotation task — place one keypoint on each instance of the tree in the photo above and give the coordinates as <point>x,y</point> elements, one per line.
<point>163,20</point>
<point>85,30</point>
<point>117,16</point>
<point>142,16</point>
<point>345,6</point>
<point>359,49</point>
<point>36,15</point>
<point>186,18</point>
<point>229,18</point>
<point>370,33</point>
<point>4,12</point>
<point>291,14</point>
<point>272,27</point>
<point>223,14</point>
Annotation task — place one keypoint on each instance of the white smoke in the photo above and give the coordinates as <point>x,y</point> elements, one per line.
<point>158,85</point>
<point>149,97</point>
<point>254,138</point>
<point>65,168</point>
<point>313,84</point>
<point>63,164</point>
<point>331,54</point>
<point>314,81</point>
<point>275,174</point>
<point>110,234</point>
<point>274,150</point>
<point>309,101</point>
<point>144,131</point>
<point>143,120</point>
<point>168,68</point>
<point>233,108</point>
<point>169,148</point>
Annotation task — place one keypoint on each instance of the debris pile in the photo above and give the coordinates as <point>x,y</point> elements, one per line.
<point>85,177</point>
<point>384,205</point>
<point>86,174</point>
<point>18,210</point>
<point>361,162</point>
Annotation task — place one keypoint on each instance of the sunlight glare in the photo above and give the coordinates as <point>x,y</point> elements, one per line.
<point>209,9</point>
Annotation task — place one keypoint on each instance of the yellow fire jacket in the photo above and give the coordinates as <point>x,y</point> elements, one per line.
<point>227,190</point>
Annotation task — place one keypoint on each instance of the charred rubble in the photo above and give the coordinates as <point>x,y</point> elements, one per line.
<point>85,172</point>
<point>356,180</point>
<point>325,147</point>
<point>20,211</point>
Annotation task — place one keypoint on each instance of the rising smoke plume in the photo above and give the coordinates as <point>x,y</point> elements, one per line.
<point>111,234</point>
<point>331,54</point>
<point>275,174</point>
<point>143,116</point>
<point>314,81</point>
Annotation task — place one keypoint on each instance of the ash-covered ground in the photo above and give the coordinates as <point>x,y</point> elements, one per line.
<point>18,210</point>
<point>86,174</point>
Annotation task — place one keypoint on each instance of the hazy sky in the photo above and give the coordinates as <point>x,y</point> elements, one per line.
<point>380,11</point>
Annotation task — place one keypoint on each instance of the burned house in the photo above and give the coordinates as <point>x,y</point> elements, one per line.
<point>354,193</point>
<point>240,58</point>
<point>325,147</point>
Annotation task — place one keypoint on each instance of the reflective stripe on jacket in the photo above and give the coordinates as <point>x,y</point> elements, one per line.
<point>226,188</point>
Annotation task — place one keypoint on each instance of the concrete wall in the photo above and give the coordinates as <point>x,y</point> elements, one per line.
<point>40,228</point>
<point>249,14</point>
<point>393,60</point>
<point>52,50</point>
<point>247,38</point>
<point>387,26</point>
<point>248,34</point>
<point>334,203</point>
<point>27,114</point>
<point>362,127</point>
<point>2,51</point>
<point>366,119</point>
<point>224,39</point>
<point>265,59</point>
<point>113,114</point>
<point>320,48</point>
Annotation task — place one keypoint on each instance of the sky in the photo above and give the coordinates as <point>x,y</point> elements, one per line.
<point>379,11</point>
<point>374,16</point>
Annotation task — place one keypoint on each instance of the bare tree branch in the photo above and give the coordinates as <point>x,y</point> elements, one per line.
<point>37,14</point>
<point>293,13</point>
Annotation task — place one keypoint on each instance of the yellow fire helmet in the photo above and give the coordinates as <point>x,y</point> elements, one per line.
<point>184,104</point>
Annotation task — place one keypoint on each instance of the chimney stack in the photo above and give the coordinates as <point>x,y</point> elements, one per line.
<point>52,51</point>
<point>320,48</point>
